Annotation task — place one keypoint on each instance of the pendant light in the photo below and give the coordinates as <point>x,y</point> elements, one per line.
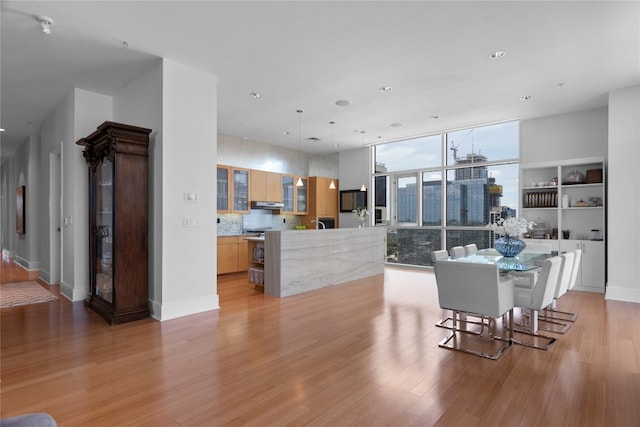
<point>332,185</point>
<point>299,182</point>
<point>365,172</point>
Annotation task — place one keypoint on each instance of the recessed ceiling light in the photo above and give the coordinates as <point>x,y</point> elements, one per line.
<point>435,116</point>
<point>343,103</point>
<point>525,98</point>
<point>286,132</point>
<point>313,139</point>
<point>126,44</point>
<point>254,95</point>
<point>336,145</point>
<point>497,54</point>
<point>560,84</point>
<point>396,125</point>
<point>386,89</point>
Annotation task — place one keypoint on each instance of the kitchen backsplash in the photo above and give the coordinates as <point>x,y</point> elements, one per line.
<point>231,224</point>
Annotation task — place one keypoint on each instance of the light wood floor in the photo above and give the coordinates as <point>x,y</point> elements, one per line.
<point>360,354</point>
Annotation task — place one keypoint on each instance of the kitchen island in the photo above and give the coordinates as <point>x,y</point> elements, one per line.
<point>298,261</point>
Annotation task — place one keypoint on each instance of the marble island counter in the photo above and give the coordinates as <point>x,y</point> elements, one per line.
<point>298,261</point>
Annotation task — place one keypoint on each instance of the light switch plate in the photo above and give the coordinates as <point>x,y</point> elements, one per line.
<point>191,197</point>
<point>191,222</point>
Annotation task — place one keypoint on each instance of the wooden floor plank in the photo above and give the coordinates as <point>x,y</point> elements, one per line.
<point>362,353</point>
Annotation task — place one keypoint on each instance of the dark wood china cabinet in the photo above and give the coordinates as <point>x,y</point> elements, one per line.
<point>117,156</point>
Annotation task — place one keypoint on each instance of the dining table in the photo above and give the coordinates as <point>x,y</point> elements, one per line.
<point>523,262</point>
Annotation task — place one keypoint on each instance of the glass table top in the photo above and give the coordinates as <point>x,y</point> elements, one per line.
<point>524,262</point>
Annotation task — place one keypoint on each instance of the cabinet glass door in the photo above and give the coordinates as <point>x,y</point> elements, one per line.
<point>104,231</point>
<point>301,196</point>
<point>240,190</point>
<point>223,189</point>
<point>287,193</point>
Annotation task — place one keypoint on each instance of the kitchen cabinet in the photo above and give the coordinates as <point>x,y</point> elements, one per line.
<point>232,254</point>
<point>294,197</point>
<point>265,186</point>
<point>117,158</point>
<point>233,189</point>
<point>569,196</point>
<point>591,276</point>
<point>323,201</point>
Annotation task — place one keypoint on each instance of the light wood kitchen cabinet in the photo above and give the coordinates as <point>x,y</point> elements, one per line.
<point>232,254</point>
<point>233,189</point>
<point>323,201</point>
<point>295,198</point>
<point>265,186</point>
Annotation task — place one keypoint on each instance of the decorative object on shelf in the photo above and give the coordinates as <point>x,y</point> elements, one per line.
<point>574,177</point>
<point>509,246</point>
<point>566,234</point>
<point>361,214</point>
<point>554,182</point>
<point>594,176</point>
<point>510,229</point>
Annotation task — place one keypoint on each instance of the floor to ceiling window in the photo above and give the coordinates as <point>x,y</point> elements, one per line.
<point>439,191</point>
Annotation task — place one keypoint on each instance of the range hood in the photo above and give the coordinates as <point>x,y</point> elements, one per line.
<point>267,205</point>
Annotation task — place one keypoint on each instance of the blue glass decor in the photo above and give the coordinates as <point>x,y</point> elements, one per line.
<point>509,246</point>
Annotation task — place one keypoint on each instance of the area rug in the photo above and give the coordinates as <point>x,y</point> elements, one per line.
<point>23,293</point>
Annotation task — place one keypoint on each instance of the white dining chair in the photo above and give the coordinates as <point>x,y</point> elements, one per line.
<point>536,298</point>
<point>566,316</point>
<point>478,289</point>
<point>456,252</point>
<point>548,320</point>
<point>470,249</point>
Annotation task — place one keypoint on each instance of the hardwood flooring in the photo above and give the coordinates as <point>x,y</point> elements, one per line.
<point>362,354</point>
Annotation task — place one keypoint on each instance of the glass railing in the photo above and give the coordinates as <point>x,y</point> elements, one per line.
<point>413,245</point>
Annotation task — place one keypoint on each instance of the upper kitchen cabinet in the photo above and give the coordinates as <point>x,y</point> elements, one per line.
<point>233,189</point>
<point>265,186</point>
<point>323,202</point>
<point>294,197</point>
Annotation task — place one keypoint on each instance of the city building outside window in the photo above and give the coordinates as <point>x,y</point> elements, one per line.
<point>440,191</point>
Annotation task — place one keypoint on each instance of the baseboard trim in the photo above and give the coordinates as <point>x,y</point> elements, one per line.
<point>622,294</point>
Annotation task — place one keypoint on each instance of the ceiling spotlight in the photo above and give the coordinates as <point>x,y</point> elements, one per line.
<point>395,125</point>
<point>385,89</point>
<point>343,103</point>
<point>435,116</point>
<point>286,132</point>
<point>497,55</point>
<point>1,130</point>
<point>125,44</point>
<point>254,95</point>
<point>45,23</point>
<point>525,98</point>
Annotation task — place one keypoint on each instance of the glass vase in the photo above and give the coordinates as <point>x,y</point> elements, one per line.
<point>509,246</point>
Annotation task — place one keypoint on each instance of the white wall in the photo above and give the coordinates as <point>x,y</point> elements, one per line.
<point>623,224</point>
<point>251,154</point>
<point>355,169</point>
<point>565,136</point>
<point>26,172</point>
<point>89,110</point>
<point>189,125</point>
<point>140,104</point>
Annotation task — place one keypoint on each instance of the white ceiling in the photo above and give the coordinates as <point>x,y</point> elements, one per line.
<point>307,55</point>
